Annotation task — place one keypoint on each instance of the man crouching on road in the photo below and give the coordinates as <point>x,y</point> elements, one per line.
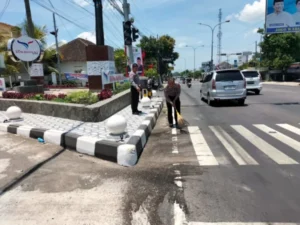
<point>172,93</point>
<point>135,89</point>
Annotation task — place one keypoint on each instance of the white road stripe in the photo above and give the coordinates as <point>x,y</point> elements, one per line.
<point>263,146</point>
<point>235,150</point>
<point>240,223</point>
<point>290,128</point>
<point>280,137</point>
<point>204,155</point>
<point>174,131</point>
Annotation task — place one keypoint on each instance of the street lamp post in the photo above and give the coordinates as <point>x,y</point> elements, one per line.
<point>195,48</point>
<point>212,40</point>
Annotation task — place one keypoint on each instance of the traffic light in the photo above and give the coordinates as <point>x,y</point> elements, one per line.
<point>54,33</point>
<point>135,34</point>
<point>127,33</point>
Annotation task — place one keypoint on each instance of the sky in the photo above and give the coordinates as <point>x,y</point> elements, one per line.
<point>177,18</point>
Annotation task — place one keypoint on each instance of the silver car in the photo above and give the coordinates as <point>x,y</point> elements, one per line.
<point>253,79</point>
<point>224,85</point>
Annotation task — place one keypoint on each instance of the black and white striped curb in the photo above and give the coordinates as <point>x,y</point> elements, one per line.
<point>123,154</point>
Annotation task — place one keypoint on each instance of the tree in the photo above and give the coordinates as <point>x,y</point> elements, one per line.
<point>39,32</point>
<point>151,73</point>
<point>157,49</point>
<point>197,74</point>
<point>280,50</point>
<point>120,60</point>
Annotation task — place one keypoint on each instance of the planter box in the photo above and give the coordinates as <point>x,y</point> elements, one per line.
<point>86,113</point>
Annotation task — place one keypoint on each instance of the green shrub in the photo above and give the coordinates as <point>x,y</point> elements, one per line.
<point>122,87</point>
<point>82,97</point>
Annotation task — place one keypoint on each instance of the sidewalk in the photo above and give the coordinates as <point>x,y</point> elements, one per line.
<point>282,83</point>
<point>91,138</point>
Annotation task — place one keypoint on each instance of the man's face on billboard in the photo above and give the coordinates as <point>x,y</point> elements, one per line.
<point>298,6</point>
<point>139,62</point>
<point>278,7</point>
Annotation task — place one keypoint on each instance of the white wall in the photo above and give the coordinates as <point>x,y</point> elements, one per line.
<point>70,67</point>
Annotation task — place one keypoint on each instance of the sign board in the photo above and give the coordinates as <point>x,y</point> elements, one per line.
<point>76,76</point>
<point>106,69</point>
<point>167,60</point>
<point>26,49</point>
<point>282,16</point>
<point>114,78</point>
<point>138,59</point>
<point>247,53</point>
<point>97,68</point>
<point>235,63</point>
<point>2,84</point>
<point>37,70</point>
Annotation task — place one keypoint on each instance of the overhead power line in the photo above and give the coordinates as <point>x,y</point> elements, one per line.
<point>51,10</point>
<point>4,8</point>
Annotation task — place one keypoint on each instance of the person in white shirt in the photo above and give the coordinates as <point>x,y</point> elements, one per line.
<point>296,16</point>
<point>279,18</point>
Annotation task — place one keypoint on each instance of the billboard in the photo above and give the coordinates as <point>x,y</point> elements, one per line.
<point>37,70</point>
<point>137,58</point>
<point>282,16</point>
<point>76,76</point>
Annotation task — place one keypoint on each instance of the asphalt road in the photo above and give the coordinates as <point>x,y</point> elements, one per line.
<point>247,166</point>
<point>207,173</point>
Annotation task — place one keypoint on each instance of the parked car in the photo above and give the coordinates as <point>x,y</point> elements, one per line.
<point>253,79</point>
<point>224,85</point>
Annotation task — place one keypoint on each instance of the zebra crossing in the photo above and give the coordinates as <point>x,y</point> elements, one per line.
<point>238,141</point>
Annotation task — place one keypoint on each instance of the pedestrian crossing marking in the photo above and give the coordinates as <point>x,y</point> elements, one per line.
<point>290,128</point>
<point>240,223</point>
<point>279,136</point>
<point>264,147</point>
<point>235,150</point>
<point>204,154</point>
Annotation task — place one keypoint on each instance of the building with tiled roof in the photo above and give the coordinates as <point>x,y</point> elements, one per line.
<point>74,56</point>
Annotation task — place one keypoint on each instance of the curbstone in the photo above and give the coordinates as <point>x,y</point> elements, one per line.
<point>123,154</point>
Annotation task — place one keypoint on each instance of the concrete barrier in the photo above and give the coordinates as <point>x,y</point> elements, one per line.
<point>86,113</point>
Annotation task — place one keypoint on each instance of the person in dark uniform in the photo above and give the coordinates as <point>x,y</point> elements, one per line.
<point>172,94</point>
<point>135,89</point>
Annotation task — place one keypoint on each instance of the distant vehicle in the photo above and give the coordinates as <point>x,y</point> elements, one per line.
<point>189,82</point>
<point>253,79</point>
<point>224,85</point>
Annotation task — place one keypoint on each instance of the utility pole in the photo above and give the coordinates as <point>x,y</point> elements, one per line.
<point>220,37</point>
<point>99,22</point>
<point>255,54</point>
<point>55,33</point>
<point>195,48</point>
<point>57,49</point>
<point>29,19</point>
<point>126,9</point>
<point>255,48</point>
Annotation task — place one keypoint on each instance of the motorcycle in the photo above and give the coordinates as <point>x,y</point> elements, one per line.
<point>189,84</point>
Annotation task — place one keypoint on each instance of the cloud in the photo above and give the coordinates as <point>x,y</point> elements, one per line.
<point>182,45</point>
<point>156,3</point>
<point>252,12</point>
<point>90,36</point>
<point>251,32</point>
<point>254,31</point>
<point>82,3</point>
